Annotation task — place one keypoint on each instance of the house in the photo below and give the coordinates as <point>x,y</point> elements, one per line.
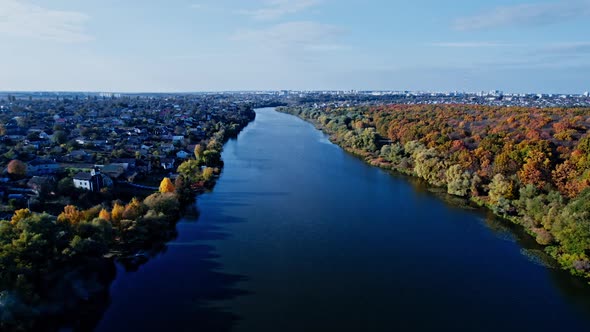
<point>167,163</point>
<point>41,183</point>
<point>114,171</point>
<point>167,147</point>
<point>182,154</point>
<point>78,154</point>
<point>88,181</point>
<point>42,167</point>
<point>128,163</point>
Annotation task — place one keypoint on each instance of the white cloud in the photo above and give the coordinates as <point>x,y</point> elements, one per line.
<point>276,9</point>
<point>569,47</point>
<point>293,36</point>
<point>470,44</point>
<point>22,19</point>
<point>526,15</point>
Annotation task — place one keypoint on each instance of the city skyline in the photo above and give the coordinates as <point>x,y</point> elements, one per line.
<point>188,46</point>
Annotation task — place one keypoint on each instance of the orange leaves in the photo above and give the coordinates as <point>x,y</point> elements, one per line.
<point>105,215</point>
<point>17,167</point>
<point>117,212</point>
<point>71,214</point>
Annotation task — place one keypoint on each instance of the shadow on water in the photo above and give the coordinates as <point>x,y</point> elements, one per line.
<point>575,289</point>
<point>179,289</point>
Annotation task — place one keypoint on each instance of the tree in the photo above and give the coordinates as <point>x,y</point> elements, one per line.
<point>104,215</point>
<point>212,158</point>
<point>500,187</point>
<point>190,171</point>
<point>20,215</point>
<point>572,228</point>
<point>199,149</point>
<point>166,203</point>
<point>458,181</point>
<point>536,169</point>
<point>59,137</point>
<point>117,212</point>
<point>71,214</point>
<point>208,173</point>
<point>17,167</point>
<point>133,210</point>
<point>166,186</point>
<point>430,166</point>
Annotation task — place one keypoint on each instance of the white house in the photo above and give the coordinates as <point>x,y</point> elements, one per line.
<point>167,163</point>
<point>92,181</point>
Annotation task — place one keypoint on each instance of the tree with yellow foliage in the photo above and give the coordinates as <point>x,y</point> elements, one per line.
<point>20,215</point>
<point>166,186</point>
<point>208,173</point>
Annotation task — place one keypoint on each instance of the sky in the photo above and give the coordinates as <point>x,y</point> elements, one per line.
<point>223,45</point>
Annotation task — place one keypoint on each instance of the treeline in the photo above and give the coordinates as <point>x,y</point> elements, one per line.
<point>530,165</point>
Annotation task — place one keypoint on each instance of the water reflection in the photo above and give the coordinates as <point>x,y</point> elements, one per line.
<point>178,290</point>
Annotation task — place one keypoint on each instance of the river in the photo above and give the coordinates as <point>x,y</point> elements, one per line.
<point>298,235</point>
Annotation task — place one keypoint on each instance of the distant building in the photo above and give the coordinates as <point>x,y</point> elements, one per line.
<point>586,94</point>
<point>182,154</point>
<point>167,163</point>
<point>114,171</point>
<point>42,167</point>
<point>93,181</point>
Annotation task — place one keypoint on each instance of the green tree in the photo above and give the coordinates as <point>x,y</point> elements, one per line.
<point>59,137</point>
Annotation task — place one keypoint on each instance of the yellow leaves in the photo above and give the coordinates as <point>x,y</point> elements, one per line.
<point>20,215</point>
<point>199,149</point>
<point>166,186</point>
<point>208,173</point>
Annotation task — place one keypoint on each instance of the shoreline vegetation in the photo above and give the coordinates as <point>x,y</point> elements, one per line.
<point>530,166</point>
<point>57,268</point>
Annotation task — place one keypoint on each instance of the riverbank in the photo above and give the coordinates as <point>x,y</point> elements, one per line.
<point>555,221</point>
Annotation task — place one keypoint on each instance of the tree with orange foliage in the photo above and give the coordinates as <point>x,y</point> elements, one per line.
<point>17,167</point>
<point>104,215</point>
<point>133,210</point>
<point>535,170</point>
<point>166,186</point>
<point>71,214</point>
<point>117,212</point>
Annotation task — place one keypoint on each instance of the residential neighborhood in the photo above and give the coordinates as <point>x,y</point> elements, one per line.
<point>99,143</point>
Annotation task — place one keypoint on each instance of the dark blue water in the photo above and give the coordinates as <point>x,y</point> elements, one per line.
<point>300,236</point>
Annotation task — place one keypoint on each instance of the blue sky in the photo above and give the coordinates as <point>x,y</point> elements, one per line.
<point>210,45</point>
